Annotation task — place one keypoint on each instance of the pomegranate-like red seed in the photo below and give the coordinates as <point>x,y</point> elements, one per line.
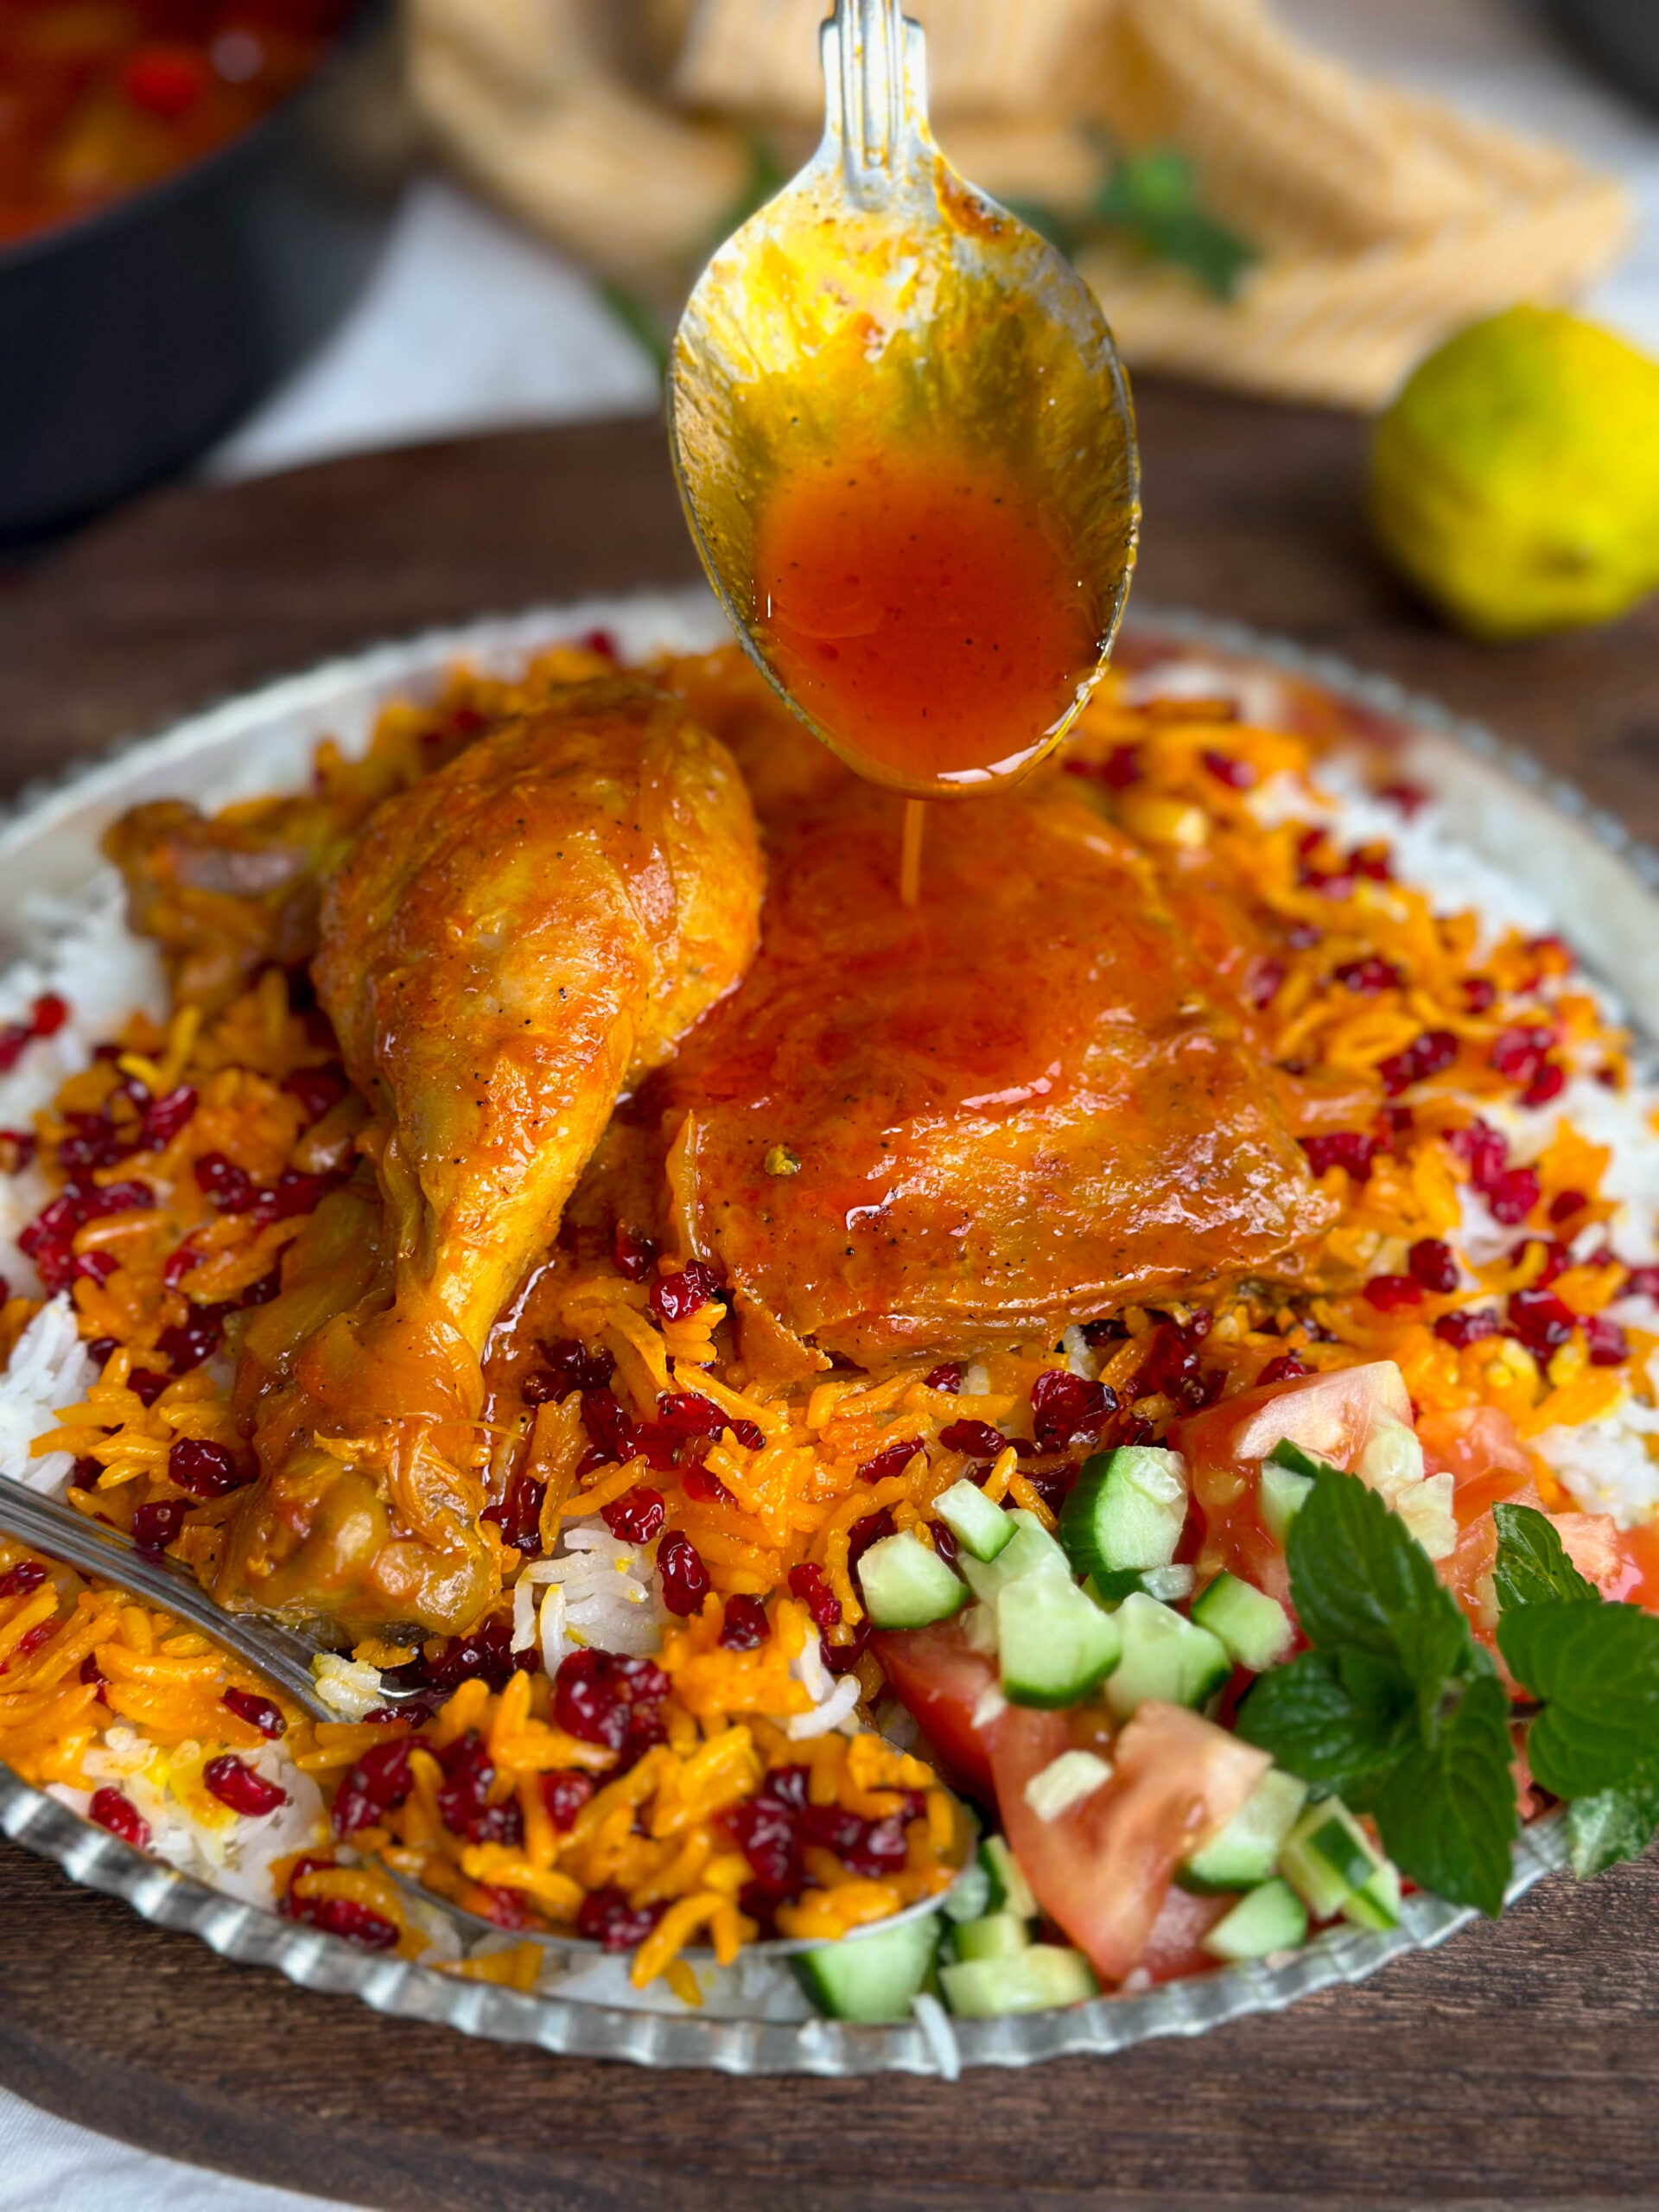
<point>234,1782</point>
<point>205,1469</point>
<point>565,1793</point>
<point>1607,1344</point>
<point>703,1487</point>
<point>165,1117</point>
<point>636,1516</point>
<point>607,1916</point>
<point>378,1784</point>
<point>1394,1293</point>
<point>1513,1195</point>
<point>192,1340</point>
<point>48,1014</point>
<point>230,1188</point>
<point>635,1255</point>
<point>1067,1409</point>
<point>675,1297</point>
<point>1429,1054</point>
<point>1641,1282</point>
<point>892,1461</point>
<point>745,1627</point>
<point>1554,1259</point>
<point>870,1530</point>
<point>1540,1320</point>
<point>258,1712</point>
<point>1518,1051</point>
<point>354,1923</point>
<point>1410,798</point>
<point>1468,1328</point>
<point>976,1438</point>
<point>947,1379</point>
<point>1352,1150</point>
<point>1479,994</point>
<point>1565,1204</point>
<point>684,1578</point>
<point>157,1525</point>
<point>1434,1265</point>
<point>1286,1368</point>
<point>1550,1083</point>
<point>18,1582</point>
<point>807,1583</point>
<point>146,1385</point>
<point>1369,975</point>
<point>110,1810</point>
<point>1228,768</point>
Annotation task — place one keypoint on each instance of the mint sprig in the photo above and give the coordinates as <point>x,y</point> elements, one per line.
<point>1594,1669</point>
<point>1396,1707</point>
<point>1533,1568</point>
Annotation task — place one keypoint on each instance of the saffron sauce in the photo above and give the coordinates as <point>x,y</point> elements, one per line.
<point>925,616</point>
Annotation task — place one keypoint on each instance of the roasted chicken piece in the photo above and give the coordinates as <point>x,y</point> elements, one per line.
<point>513,942</point>
<point>1017,1105</point>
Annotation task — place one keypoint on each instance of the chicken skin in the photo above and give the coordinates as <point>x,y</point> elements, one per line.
<point>1019,1104</point>
<point>511,944</point>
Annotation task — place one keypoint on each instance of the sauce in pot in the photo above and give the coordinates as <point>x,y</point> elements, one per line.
<point>99,98</point>
<point>925,614</point>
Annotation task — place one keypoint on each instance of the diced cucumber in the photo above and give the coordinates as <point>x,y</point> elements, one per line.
<point>1271,1918</point>
<point>1163,1656</point>
<point>1065,1782</point>
<point>998,1936</point>
<point>907,1586</point>
<point>1331,1863</point>
<point>1125,1514</point>
<point>1033,1981</point>
<point>870,1977</point>
<point>982,1529</point>
<point>1255,1628</point>
<point>970,1896</point>
<point>1280,1495</point>
<point>1167,1583</point>
<point>1053,1642</point>
<point>1030,1548</point>
<point>1296,1461</point>
<point>1376,1904</point>
<point>1010,1891</point>
<point>1247,1850</point>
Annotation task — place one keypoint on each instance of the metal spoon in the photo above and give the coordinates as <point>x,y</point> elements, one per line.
<point>880,298</point>
<point>281,1654</point>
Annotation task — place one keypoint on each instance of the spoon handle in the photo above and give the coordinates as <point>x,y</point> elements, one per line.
<point>876,94</point>
<point>63,1533</point>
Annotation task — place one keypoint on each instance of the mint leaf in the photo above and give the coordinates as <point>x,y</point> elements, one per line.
<point>1596,1670</point>
<point>1152,198</point>
<point>1363,1584</point>
<point>1447,1809</point>
<point>1533,1568</point>
<point>1614,1824</point>
<point>1334,1734</point>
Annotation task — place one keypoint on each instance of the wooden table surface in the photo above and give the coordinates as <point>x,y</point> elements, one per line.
<point>1518,2066</point>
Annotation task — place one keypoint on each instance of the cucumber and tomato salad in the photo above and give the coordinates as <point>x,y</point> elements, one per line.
<point>1000,1659</point>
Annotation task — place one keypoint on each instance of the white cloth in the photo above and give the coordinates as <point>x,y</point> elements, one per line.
<point>47,2165</point>
<point>470,324</point>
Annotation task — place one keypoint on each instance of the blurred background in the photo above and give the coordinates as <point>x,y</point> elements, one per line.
<point>237,235</point>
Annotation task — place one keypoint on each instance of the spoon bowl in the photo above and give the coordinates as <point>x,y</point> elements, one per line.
<point>903,439</point>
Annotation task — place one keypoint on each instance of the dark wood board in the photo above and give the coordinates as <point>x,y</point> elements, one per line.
<point>1518,2066</point>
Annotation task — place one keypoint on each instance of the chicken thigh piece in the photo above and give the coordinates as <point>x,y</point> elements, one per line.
<point>513,942</point>
<point>1021,1103</point>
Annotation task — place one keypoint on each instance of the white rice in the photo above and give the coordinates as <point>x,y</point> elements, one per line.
<point>49,1372</point>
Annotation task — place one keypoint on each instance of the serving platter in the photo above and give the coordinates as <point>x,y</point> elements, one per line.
<point>1516,2065</point>
<point>1603,891</point>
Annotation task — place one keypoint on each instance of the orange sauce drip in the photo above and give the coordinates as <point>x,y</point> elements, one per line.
<point>927,617</point>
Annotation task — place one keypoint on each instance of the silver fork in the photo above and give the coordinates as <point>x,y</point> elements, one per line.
<point>283,1654</point>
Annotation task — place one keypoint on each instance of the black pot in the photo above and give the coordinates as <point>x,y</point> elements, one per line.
<point>1621,37</point>
<point>131,341</point>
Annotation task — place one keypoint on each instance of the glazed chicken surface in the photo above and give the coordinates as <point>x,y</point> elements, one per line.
<point>511,942</point>
<point>1020,1104</point>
